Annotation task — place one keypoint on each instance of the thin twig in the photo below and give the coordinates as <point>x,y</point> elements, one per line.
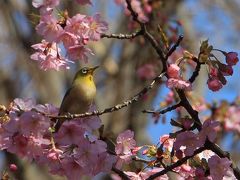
<point>163,111</point>
<point>196,71</point>
<point>174,47</point>
<point>123,36</point>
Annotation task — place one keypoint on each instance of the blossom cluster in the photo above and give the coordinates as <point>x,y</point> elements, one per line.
<point>217,69</point>
<point>173,149</point>
<point>74,151</point>
<point>217,74</point>
<point>65,38</point>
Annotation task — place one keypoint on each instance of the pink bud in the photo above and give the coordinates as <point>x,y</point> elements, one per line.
<point>214,84</point>
<point>213,71</point>
<point>147,8</point>
<point>232,58</point>
<point>227,70</point>
<point>13,167</point>
<point>173,71</point>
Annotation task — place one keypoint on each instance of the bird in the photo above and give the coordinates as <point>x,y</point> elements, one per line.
<point>80,96</point>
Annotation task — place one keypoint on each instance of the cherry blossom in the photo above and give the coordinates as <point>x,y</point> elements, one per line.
<point>209,130</point>
<point>167,142</point>
<point>49,28</point>
<point>68,39</point>
<point>32,123</point>
<point>23,104</point>
<point>189,141</point>
<point>232,121</point>
<point>76,25</point>
<point>45,3</point>
<point>79,52</point>
<point>49,57</point>
<point>95,27</point>
<point>173,71</point>
<point>218,167</point>
<point>179,84</point>
<point>125,143</point>
<point>69,133</point>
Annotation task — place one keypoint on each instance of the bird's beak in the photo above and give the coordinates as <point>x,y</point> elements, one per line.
<point>91,70</point>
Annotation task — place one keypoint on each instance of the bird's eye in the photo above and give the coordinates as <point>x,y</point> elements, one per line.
<point>84,70</point>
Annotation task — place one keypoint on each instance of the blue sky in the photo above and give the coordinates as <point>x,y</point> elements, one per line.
<point>207,30</point>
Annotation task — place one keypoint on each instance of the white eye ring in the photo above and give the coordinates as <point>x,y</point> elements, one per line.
<point>84,70</point>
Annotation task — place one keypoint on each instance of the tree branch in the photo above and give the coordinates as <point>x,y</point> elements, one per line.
<point>174,47</point>
<point>163,111</point>
<point>123,36</point>
<point>196,71</point>
<point>178,163</point>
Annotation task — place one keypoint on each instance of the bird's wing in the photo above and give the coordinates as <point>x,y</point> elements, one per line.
<point>63,104</point>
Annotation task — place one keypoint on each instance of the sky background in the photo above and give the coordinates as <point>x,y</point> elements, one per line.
<point>222,38</point>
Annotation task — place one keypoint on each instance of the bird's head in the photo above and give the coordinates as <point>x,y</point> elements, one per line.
<point>85,75</point>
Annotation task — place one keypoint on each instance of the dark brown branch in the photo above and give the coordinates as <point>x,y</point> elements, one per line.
<point>120,173</point>
<point>196,71</point>
<point>154,44</point>
<point>163,111</point>
<point>193,113</point>
<point>174,47</point>
<point>123,36</point>
<point>114,108</point>
<point>178,163</point>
